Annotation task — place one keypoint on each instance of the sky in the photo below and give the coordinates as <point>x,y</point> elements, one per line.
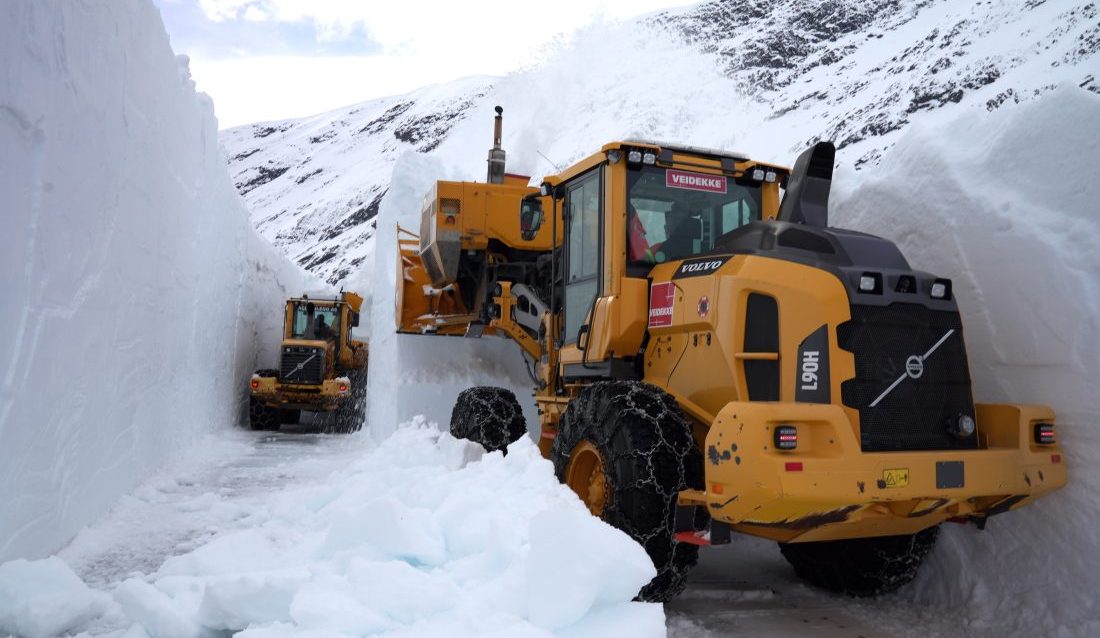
<point>276,59</point>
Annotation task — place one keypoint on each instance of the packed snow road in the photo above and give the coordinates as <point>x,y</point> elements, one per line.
<point>422,535</point>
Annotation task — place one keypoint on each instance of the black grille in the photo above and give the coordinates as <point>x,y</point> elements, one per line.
<point>916,414</point>
<point>312,370</point>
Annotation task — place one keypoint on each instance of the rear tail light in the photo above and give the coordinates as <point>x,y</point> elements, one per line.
<point>786,437</point>
<point>255,384</point>
<point>1044,433</point>
<point>343,387</point>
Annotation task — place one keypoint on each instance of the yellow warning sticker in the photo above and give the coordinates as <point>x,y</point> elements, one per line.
<point>898,477</point>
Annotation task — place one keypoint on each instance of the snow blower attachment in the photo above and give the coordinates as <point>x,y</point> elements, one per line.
<point>710,358</point>
<point>321,368</point>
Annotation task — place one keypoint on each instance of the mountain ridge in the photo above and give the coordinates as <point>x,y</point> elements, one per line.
<point>854,72</point>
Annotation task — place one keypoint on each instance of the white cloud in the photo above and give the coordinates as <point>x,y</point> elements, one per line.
<point>421,41</point>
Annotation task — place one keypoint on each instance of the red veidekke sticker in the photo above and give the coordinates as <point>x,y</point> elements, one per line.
<point>661,299</point>
<point>695,181</point>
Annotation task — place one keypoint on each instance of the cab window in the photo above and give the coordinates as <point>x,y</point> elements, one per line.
<point>675,214</point>
<point>582,207</point>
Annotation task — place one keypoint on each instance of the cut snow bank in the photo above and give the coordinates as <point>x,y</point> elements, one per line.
<point>423,374</point>
<point>136,296</point>
<point>1005,204</point>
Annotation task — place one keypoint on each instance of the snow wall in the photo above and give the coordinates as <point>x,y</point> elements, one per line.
<point>136,295</point>
<point>1005,204</point>
<point>422,374</point>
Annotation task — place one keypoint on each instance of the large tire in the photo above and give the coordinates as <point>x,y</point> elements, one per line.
<point>489,416</point>
<point>861,566</point>
<point>261,417</point>
<point>350,413</point>
<point>635,436</point>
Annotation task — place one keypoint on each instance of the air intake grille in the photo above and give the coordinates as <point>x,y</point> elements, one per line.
<point>891,343</point>
<point>302,365</point>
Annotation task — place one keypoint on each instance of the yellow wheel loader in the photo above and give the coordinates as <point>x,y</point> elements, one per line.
<point>321,367</point>
<point>711,357</point>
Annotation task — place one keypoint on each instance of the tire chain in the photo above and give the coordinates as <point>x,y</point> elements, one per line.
<point>349,414</point>
<point>861,566</point>
<point>662,457</point>
<point>489,416</point>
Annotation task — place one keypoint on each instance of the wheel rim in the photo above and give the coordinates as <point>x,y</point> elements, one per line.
<point>586,476</point>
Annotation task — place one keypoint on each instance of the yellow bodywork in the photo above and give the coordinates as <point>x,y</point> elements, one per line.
<point>829,489</point>
<point>344,356</point>
<point>321,398</point>
<point>837,491</point>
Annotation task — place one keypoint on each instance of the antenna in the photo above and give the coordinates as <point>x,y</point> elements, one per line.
<point>556,167</point>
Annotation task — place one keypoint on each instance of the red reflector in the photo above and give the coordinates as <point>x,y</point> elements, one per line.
<point>694,538</point>
<point>343,388</point>
<point>1055,458</point>
<point>717,488</point>
<point>255,384</point>
<point>794,467</point>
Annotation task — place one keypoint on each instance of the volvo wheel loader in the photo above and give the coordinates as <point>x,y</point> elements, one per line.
<point>710,356</point>
<point>321,367</point>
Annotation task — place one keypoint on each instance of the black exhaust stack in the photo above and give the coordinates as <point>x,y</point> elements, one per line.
<point>496,154</point>
<point>806,200</point>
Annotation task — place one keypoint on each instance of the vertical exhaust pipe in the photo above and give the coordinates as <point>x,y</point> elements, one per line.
<point>807,198</point>
<point>496,154</point>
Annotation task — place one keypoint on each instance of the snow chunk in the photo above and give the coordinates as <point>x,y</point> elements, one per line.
<point>577,562</point>
<point>236,602</point>
<point>155,611</point>
<point>44,598</point>
<point>423,535</point>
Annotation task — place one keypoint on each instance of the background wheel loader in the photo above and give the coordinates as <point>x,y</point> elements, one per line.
<point>321,368</point>
<point>710,356</point>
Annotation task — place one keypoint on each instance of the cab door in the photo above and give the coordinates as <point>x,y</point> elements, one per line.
<point>584,228</point>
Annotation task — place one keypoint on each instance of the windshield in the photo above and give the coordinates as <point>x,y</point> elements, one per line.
<point>313,321</point>
<point>674,214</point>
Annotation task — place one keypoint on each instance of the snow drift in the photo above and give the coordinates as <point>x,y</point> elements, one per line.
<point>424,535</point>
<point>136,294</point>
<point>1005,204</point>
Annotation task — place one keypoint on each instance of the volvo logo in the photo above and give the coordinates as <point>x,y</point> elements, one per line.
<point>914,367</point>
<point>699,267</point>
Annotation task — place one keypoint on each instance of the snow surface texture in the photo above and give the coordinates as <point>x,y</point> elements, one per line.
<point>762,78</point>
<point>136,295</point>
<point>424,535</point>
<point>1005,204</point>
<point>44,598</point>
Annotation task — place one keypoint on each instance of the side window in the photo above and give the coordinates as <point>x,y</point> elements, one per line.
<point>583,249</point>
<point>736,214</point>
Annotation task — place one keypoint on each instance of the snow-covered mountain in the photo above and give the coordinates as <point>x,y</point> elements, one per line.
<point>764,78</point>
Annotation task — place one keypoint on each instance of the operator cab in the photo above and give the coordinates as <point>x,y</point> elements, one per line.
<point>675,214</point>
<point>314,321</point>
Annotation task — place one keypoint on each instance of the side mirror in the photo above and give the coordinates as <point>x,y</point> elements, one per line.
<point>530,218</point>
